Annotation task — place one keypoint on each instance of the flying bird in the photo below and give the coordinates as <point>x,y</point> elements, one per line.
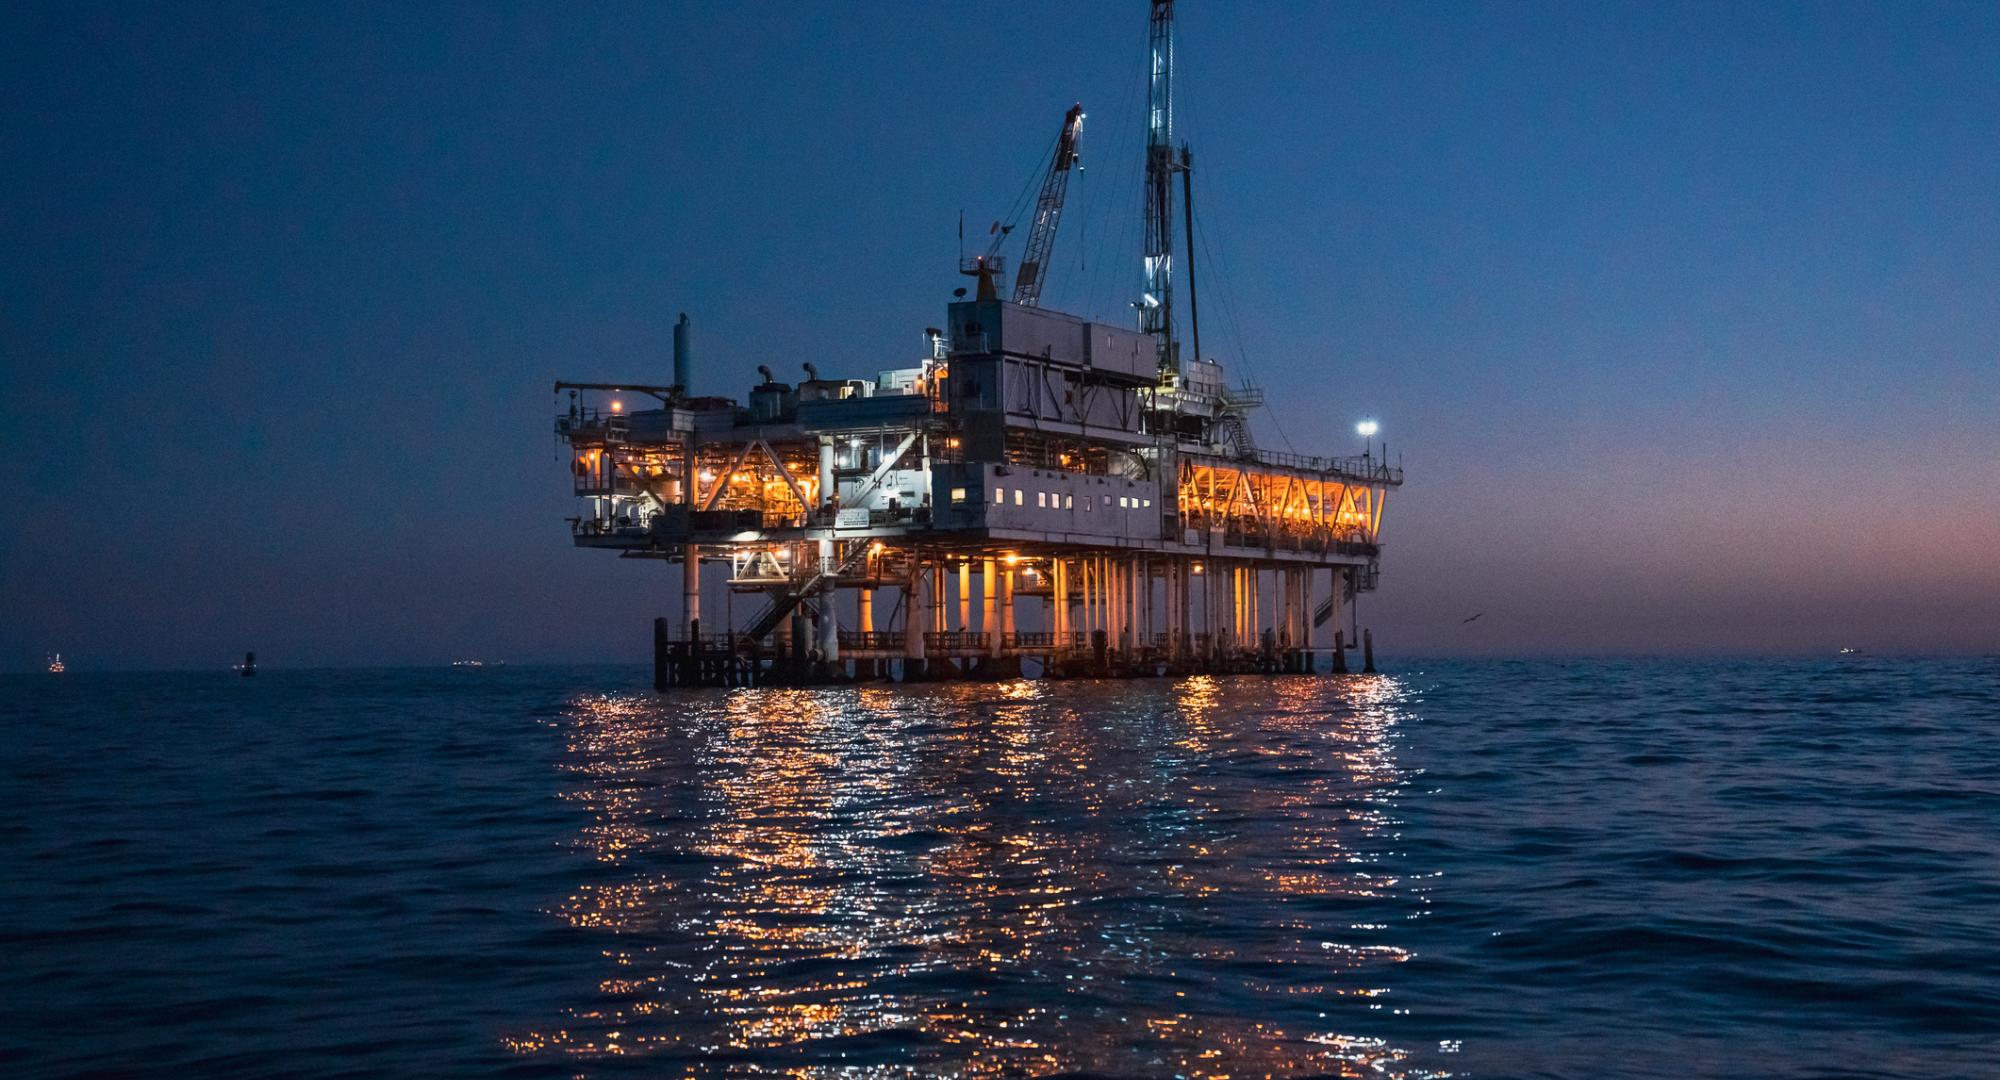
<point>1462,622</point>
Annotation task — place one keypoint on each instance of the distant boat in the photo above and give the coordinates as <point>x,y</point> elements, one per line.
<point>249,665</point>
<point>56,665</point>
<point>468,663</point>
<point>1850,651</point>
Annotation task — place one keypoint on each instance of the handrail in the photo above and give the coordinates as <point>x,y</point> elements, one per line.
<point>1363,466</point>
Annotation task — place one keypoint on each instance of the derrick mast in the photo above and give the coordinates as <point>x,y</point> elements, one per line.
<point>1156,304</point>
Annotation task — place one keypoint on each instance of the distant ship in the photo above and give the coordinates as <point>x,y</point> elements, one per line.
<point>1850,651</point>
<point>56,665</point>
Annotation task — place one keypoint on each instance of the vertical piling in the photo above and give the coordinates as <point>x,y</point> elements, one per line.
<point>1006,627</point>
<point>965,595</point>
<point>691,674</point>
<point>662,668</point>
<point>916,620</point>
<point>1368,652</point>
<point>800,644</point>
<point>989,597</point>
<point>864,621</point>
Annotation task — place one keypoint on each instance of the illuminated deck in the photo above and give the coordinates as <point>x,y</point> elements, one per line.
<point>1068,506</point>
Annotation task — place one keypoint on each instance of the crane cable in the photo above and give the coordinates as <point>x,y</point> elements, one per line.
<point>1219,271</point>
<point>1013,218</point>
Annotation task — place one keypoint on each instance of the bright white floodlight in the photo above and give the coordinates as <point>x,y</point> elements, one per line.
<point>1367,429</point>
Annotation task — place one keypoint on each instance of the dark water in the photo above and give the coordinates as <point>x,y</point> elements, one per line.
<point>1491,869</point>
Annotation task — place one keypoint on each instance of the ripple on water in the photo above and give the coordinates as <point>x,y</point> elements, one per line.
<point>1563,868</point>
<point>1184,877</point>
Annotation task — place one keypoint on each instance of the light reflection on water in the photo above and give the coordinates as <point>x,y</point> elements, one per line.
<point>1197,877</point>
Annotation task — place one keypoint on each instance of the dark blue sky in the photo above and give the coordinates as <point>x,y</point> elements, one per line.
<point>1683,317</point>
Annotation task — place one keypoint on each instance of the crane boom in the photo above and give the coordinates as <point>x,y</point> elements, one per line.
<point>1048,212</point>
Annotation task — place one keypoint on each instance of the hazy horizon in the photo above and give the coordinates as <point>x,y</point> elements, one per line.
<point>1682,318</point>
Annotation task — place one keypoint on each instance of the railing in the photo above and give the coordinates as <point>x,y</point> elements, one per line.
<point>580,526</point>
<point>881,640</point>
<point>1245,396</point>
<point>1047,639</point>
<point>1283,538</point>
<point>950,640</point>
<point>1362,467</point>
<point>583,421</point>
<point>618,483</point>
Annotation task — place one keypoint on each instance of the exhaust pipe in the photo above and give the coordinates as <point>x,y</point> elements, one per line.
<point>683,355</point>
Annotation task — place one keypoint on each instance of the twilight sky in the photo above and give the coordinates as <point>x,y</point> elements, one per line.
<point>1683,318</point>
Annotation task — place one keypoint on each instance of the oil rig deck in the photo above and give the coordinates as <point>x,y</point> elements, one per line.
<point>1030,487</point>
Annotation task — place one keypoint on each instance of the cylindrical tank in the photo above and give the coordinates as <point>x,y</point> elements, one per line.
<point>683,355</point>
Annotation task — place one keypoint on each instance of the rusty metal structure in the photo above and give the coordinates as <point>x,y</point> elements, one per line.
<point>1030,488</point>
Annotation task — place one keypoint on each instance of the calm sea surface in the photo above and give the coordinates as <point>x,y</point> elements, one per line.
<point>1580,869</point>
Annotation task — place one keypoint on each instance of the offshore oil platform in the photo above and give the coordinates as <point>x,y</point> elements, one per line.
<point>1030,486</point>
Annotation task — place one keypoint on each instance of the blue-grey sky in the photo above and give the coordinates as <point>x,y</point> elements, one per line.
<point>1683,317</point>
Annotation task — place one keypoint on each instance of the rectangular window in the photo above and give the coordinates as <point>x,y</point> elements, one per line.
<point>1086,504</point>
<point>1147,503</point>
<point>1041,498</point>
<point>1124,502</point>
<point>1107,502</point>
<point>958,495</point>
<point>1017,496</point>
<point>1069,502</point>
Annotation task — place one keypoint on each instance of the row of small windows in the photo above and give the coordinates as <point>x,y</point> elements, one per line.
<point>1046,499</point>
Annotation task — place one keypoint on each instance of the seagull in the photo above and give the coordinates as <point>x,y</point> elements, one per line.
<point>1462,622</point>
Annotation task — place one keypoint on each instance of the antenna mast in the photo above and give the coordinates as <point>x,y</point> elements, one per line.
<point>1156,305</point>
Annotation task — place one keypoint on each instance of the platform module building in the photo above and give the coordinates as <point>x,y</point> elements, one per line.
<point>1030,486</point>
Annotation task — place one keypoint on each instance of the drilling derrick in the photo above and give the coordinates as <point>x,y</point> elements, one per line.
<point>1048,212</point>
<point>1156,303</point>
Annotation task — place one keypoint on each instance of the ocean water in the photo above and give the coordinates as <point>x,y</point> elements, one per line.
<point>1490,869</point>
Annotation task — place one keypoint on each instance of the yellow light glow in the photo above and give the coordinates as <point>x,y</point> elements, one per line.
<point>617,406</point>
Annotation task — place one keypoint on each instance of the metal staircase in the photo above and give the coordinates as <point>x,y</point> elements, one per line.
<point>1359,579</point>
<point>789,600</point>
